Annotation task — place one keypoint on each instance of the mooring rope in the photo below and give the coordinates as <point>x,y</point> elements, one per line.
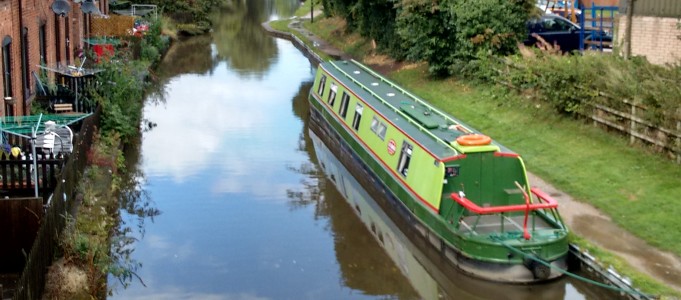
<point>573,275</point>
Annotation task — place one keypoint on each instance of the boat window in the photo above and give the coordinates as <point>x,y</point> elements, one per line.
<point>378,127</point>
<point>405,158</point>
<point>332,94</point>
<point>358,116</point>
<point>343,111</point>
<point>374,124</point>
<point>322,83</point>
<point>381,130</point>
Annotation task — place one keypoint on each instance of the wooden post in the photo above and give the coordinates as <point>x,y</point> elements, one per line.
<point>627,32</point>
<point>311,11</point>
<point>632,124</point>
<point>678,143</point>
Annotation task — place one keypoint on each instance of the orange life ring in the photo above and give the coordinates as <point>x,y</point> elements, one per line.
<point>473,140</point>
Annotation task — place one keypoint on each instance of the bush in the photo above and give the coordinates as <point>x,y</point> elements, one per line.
<point>449,34</point>
<point>570,83</point>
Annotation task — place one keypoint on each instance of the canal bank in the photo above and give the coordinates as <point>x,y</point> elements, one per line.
<point>583,219</point>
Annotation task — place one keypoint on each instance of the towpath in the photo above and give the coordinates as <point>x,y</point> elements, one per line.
<point>583,219</point>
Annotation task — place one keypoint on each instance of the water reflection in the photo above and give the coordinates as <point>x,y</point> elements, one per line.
<point>238,35</point>
<point>189,56</point>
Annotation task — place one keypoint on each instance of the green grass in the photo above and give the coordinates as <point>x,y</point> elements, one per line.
<point>328,30</point>
<point>304,9</point>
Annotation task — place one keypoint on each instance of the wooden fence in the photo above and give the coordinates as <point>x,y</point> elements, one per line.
<point>632,124</point>
<point>16,178</point>
<point>32,282</point>
<point>19,223</point>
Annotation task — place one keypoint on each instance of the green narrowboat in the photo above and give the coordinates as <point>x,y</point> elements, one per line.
<point>465,194</point>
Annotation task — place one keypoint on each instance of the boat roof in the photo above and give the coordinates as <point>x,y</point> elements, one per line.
<point>435,130</point>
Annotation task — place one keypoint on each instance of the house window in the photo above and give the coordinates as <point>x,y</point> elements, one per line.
<point>343,110</point>
<point>358,116</point>
<point>378,127</point>
<point>7,66</point>
<point>405,158</point>
<point>332,94</point>
<point>322,83</point>
<point>57,38</point>
<point>26,74</point>
<point>42,44</point>
<point>67,38</point>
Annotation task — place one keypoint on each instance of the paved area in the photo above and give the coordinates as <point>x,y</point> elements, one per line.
<point>317,43</point>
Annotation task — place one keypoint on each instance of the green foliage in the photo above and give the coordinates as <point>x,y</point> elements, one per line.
<point>448,34</point>
<point>120,96</point>
<point>428,33</point>
<point>149,52</point>
<point>571,83</point>
<point>488,27</point>
<point>190,12</point>
<point>339,8</point>
<point>376,19</point>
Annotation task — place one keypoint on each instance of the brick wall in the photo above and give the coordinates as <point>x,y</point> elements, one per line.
<point>31,14</point>
<point>655,38</point>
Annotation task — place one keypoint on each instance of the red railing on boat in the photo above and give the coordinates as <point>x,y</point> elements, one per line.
<point>527,207</point>
<point>548,202</point>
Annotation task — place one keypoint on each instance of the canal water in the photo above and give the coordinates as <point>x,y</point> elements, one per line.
<point>231,196</point>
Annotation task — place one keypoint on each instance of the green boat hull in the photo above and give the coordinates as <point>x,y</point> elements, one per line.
<point>503,257</point>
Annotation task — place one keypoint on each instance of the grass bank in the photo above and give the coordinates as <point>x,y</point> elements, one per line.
<point>634,187</point>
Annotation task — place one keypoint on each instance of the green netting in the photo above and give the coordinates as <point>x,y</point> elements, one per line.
<point>24,125</point>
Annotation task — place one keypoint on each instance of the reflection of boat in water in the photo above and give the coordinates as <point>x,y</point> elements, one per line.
<point>385,231</point>
<point>419,267</point>
<point>467,195</point>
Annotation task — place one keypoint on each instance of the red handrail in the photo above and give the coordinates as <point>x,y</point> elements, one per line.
<point>468,204</point>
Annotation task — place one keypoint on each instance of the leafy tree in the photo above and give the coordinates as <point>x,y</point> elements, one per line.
<point>428,33</point>
<point>376,19</point>
<point>450,33</point>
<point>489,27</point>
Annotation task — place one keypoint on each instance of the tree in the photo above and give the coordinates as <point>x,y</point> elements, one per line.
<point>450,33</point>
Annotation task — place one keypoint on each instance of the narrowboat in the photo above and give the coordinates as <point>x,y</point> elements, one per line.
<point>466,195</point>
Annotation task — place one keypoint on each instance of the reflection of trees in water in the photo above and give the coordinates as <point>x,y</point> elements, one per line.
<point>187,56</point>
<point>285,8</point>
<point>239,38</point>
<point>136,203</point>
<point>310,192</point>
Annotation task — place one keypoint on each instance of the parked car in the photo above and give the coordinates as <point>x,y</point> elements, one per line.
<point>555,29</point>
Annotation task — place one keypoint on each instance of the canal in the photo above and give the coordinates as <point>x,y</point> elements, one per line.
<point>232,197</point>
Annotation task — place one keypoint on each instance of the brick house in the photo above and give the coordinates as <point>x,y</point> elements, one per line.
<point>31,34</point>
<point>655,31</point>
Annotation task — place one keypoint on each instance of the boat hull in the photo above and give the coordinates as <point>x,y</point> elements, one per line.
<point>442,248</point>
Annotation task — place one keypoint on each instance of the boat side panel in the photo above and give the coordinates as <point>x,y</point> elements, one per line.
<point>423,169</point>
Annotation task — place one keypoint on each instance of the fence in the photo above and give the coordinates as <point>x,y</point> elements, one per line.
<point>20,221</point>
<point>631,123</point>
<point>16,178</point>
<point>32,282</point>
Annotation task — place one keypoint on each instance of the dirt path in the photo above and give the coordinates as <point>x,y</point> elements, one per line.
<point>588,222</point>
<point>583,219</point>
